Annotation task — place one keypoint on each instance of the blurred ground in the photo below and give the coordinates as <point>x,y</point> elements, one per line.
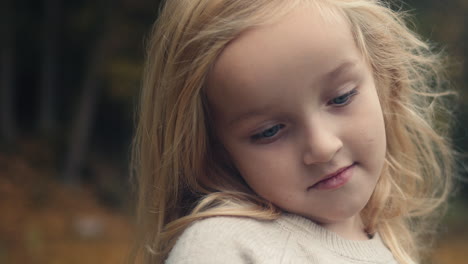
<point>43,221</point>
<point>46,222</point>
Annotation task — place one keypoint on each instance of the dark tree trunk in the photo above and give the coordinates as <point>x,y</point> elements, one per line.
<point>83,122</point>
<point>84,117</point>
<point>7,74</point>
<point>47,115</point>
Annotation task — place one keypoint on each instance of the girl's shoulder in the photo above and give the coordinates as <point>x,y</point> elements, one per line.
<point>228,225</point>
<point>230,240</point>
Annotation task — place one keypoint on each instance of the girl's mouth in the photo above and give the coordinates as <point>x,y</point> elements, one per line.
<point>335,180</point>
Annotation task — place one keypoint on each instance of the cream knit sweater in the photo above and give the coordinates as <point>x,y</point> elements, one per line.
<point>289,239</point>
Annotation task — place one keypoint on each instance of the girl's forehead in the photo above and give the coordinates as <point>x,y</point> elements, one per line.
<point>282,50</point>
<point>309,19</point>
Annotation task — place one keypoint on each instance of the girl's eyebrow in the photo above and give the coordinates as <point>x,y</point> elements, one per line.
<point>249,114</point>
<point>336,72</point>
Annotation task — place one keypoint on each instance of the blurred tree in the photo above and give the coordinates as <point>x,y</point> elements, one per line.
<point>7,72</point>
<point>49,67</point>
<point>79,139</point>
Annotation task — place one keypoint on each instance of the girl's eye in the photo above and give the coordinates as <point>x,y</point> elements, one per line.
<point>268,133</point>
<point>344,99</point>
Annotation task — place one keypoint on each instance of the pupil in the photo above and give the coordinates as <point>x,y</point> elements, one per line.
<point>270,132</point>
<point>340,100</point>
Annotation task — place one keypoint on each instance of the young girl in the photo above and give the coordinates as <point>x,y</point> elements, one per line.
<point>296,131</point>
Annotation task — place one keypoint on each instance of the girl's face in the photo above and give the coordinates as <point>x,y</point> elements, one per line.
<point>296,108</point>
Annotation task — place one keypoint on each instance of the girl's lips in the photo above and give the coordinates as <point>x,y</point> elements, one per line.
<point>335,180</point>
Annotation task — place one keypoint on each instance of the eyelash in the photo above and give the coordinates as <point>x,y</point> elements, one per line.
<point>267,133</point>
<point>347,97</point>
<point>264,135</point>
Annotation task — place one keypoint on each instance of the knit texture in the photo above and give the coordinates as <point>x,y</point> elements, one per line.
<point>289,239</point>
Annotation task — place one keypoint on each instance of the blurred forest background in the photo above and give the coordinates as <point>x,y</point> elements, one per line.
<point>69,80</point>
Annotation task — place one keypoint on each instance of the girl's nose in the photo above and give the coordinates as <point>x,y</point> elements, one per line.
<point>321,144</point>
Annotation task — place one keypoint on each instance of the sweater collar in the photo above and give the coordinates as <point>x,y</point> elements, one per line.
<point>308,232</point>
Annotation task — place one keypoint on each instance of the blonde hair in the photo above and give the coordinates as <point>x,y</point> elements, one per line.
<point>182,178</point>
